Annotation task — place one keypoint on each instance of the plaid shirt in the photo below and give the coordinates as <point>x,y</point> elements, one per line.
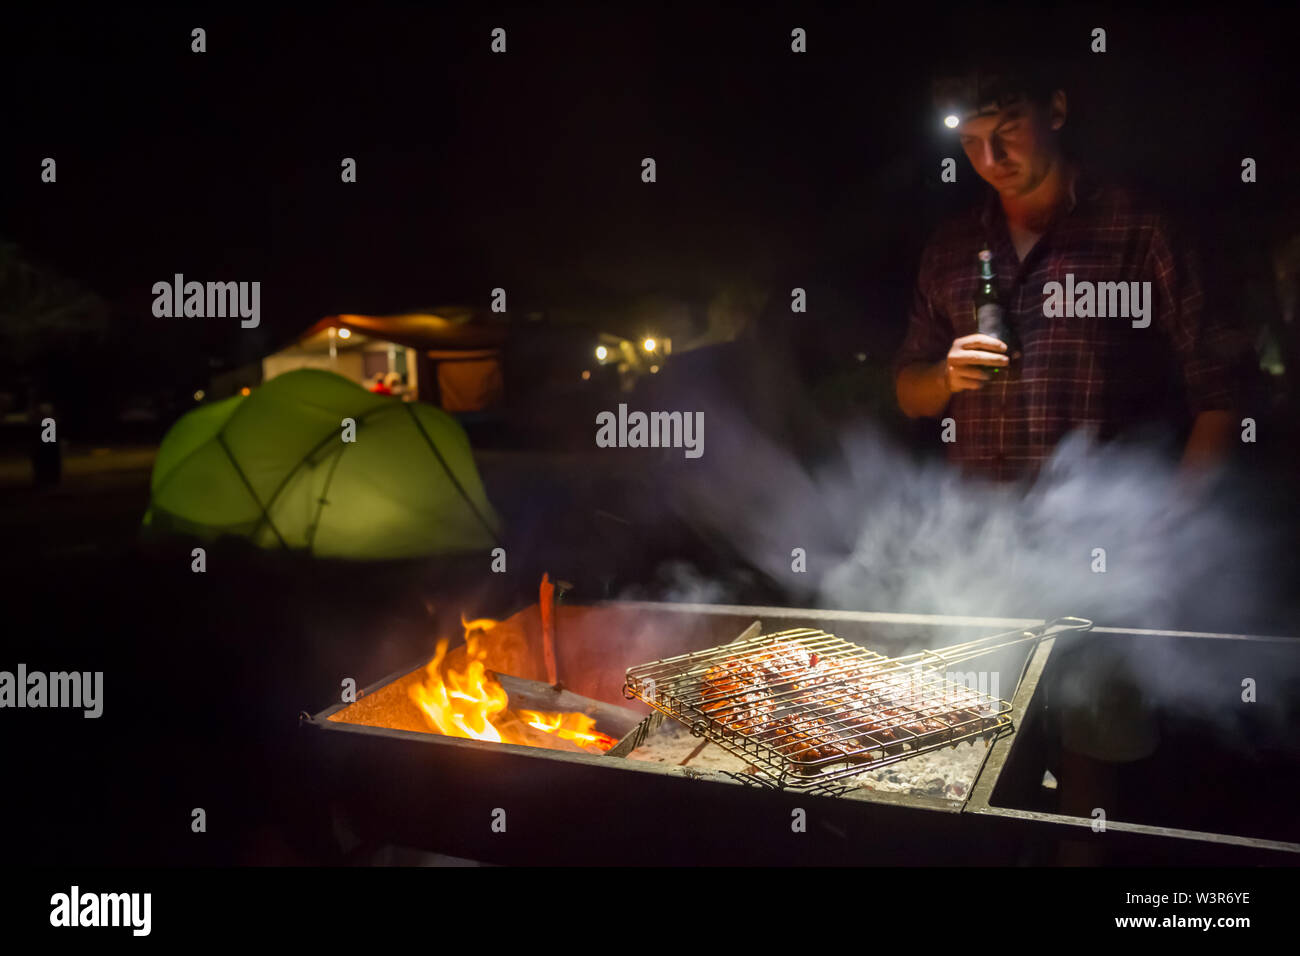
<point>1099,373</point>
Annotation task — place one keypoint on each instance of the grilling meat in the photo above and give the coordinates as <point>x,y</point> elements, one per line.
<point>813,709</point>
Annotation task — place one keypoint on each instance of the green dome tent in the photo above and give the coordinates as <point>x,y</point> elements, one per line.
<point>273,467</point>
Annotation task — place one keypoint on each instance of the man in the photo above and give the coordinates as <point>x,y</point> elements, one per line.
<point>1045,220</point>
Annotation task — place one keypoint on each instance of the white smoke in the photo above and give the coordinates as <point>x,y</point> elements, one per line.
<point>883,532</point>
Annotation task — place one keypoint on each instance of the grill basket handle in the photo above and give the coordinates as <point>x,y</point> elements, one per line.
<point>959,653</point>
<point>1062,625</point>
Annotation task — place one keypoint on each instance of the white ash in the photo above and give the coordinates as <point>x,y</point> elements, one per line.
<point>947,772</point>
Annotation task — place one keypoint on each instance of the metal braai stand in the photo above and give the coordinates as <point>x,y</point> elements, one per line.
<point>804,707</point>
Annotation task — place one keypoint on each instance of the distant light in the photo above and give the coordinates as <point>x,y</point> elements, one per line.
<point>648,345</point>
<point>586,374</point>
<point>861,356</point>
<point>951,121</point>
<point>198,396</point>
<point>245,391</point>
<point>654,369</point>
<point>601,352</point>
<point>345,333</point>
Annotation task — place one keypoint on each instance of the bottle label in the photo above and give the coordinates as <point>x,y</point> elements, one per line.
<point>991,320</point>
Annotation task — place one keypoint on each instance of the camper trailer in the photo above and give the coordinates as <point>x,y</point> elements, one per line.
<point>449,357</point>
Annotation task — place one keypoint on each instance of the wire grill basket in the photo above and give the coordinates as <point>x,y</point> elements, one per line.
<point>805,707</point>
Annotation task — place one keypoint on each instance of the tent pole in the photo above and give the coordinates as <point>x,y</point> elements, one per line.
<point>315,448</point>
<point>321,501</point>
<point>221,440</point>
<point>450,474</point>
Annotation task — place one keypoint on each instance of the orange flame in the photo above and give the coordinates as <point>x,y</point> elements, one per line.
<point>473,704</point>
<point>573,726</point>
<point>461,705</point>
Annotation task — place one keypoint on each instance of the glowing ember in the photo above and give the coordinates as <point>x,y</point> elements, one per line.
<point>471,703</point>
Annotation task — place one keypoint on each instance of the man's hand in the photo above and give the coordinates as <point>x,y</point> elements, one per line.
<point>968,353</point>
<point>924,389</point>
<point>1214,433</point>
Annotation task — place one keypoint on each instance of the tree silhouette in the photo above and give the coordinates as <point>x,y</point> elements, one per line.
<point>43,315</point>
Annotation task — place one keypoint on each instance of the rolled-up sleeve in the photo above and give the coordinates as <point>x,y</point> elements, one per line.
<point>1214,351</point>
<point>929,332</point>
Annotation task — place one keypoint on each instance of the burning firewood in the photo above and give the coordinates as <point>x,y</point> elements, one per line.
<point>460,696</point>
<point>534,695</point>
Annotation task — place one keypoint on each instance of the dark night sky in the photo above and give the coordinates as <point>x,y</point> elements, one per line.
<point>522,170</point>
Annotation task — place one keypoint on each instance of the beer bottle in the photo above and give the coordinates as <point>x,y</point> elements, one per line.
<point>990,316</point>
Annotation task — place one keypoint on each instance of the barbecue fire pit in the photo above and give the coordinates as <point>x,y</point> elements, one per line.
<point>857,748</point>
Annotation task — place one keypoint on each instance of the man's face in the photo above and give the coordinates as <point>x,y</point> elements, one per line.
<point>1013,148</point>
